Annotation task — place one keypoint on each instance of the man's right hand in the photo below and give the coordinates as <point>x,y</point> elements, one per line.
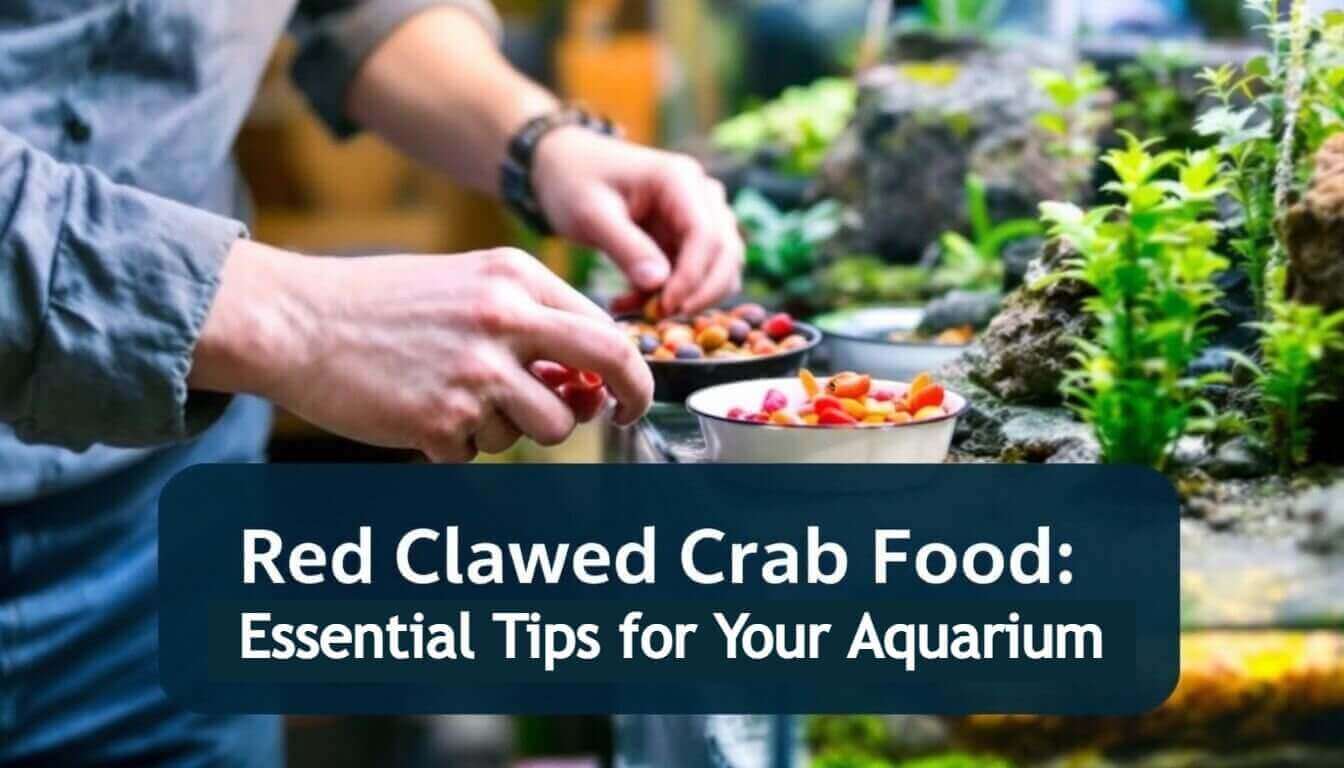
<point>425,352</point>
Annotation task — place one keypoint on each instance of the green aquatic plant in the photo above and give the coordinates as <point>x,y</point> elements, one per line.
<point>782,245</point>
<point>1151,260</point>
<point>802,124</point>
<point>974,263</point>
<point>1071,124</point>
<point>1294,342</point>
<point>1153,102</point>
<point>1269,118</point>
<point>866,279</point>
<point>961,17</point>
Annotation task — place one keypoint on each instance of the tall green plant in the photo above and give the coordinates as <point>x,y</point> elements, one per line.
<point>1151,260</point>
<point>974,263</point>
<point>1294,341</point>
<point>1269,118</point>
<point>1072,123</point>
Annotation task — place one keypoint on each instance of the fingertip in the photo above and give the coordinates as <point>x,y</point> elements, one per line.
<point>650,275</point>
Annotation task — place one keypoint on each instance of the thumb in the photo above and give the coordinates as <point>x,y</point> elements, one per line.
<point>607,226</point>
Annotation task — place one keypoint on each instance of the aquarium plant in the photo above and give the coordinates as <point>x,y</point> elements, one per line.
<point>1270,117</point>
<point>801,125</point>
<point>973,263</point>
<point>1070,125</point>
<point>1153,103</point>
<point>1151,260</point>
<point>961,17</point>
<point>784,247</point>
<point>1294,342</point>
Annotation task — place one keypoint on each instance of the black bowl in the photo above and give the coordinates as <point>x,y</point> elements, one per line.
<point>676,380</point>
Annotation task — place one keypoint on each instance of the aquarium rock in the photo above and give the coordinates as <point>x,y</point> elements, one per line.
<point>1025,352</point>
<point>1324,509</point>
<point>960,308</point>
<point>1313,230</point>
<point>923,123</point>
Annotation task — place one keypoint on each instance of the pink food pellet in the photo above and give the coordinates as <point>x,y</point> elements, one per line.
<point>884,395</point>
<point>775,401</point>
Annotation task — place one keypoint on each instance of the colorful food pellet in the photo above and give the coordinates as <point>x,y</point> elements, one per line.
<point>848,400</point>
<point>583,391</point>
<point>778,326</point>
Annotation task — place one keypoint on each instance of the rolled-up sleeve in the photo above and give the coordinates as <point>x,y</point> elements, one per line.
<point>103,292</point>
<point>336,36</point>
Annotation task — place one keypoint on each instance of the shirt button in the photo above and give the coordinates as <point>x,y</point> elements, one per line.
<point>77,130</point>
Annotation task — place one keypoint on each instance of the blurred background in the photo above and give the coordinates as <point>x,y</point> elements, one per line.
<point>763,90</point>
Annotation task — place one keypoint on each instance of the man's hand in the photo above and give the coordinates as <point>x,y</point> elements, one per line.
<point>665,223</point>
<point>425,352</point>
<point>439,89</point>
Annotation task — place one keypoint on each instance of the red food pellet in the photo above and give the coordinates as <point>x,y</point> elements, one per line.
<point>552,374</point>
<point>833,417</point>
<point>778,326</point>
<point>737,413</point>
<point>884,395</point>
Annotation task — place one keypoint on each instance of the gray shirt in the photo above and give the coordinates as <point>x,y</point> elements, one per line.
<point>119,200</point>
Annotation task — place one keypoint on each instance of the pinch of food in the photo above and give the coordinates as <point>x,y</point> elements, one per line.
<point>712,337</point>
<point>584,400</point>
<point>653,308</point>
<point>551,374</point>
<point>628,303</point>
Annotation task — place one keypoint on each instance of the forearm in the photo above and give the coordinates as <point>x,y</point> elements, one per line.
<point>440,90</point>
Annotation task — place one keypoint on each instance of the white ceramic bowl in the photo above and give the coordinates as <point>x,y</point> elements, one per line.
<point>856,340</point>
<point>731,441</point>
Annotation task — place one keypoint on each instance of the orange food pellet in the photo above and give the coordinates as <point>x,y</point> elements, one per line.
<point>783,417</point>
<point>930,412</point>
<point>854,408</point>
<point>900,417</point>
<point>810,384</point>
<point>712,337</point>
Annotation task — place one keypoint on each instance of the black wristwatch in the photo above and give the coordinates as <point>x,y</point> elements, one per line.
<point>515,176</point>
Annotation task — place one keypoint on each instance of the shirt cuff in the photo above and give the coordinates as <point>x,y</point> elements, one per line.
<point>333,49</point>
<point>119,334</point>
